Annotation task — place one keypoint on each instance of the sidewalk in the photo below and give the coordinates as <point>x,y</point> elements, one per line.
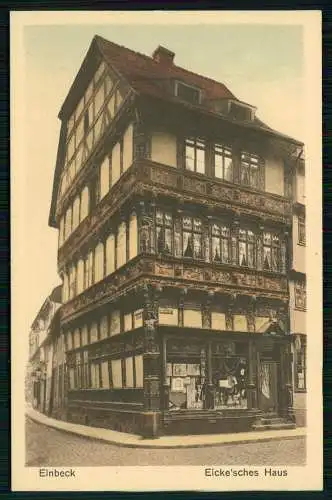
<point>133,441</point>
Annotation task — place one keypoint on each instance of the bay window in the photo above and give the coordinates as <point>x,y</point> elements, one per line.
<point>195,155</point>
<point>249,170</point>
<point>223,164</point>
<point>192,237</point>
<point>164,229</point>
<point>271,252</point>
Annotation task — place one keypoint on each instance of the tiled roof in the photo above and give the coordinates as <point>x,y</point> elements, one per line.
<point>144,73</point>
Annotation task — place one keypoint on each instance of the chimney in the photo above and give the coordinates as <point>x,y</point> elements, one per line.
<point>163,56</point>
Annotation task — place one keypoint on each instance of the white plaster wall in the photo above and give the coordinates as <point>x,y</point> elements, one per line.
<point>274,176</point>
<point>163,148</point>
<point>297,317</point>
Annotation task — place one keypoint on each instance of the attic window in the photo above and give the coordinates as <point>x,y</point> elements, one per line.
<point>187,93</point>
<point>240,112</point>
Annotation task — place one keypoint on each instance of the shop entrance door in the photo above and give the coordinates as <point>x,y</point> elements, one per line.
<point>268,386</point>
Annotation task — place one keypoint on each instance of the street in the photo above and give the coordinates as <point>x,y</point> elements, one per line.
<point>49,447</point>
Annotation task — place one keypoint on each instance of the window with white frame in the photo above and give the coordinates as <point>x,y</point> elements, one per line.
<point>220,243</point>
<point>300,295</point>
<point>249,170</point>
<point>301,230</point>
<point>164,232</point>
<point>195,155</point>
<point>246,248</point>
<point>192,237</point>
<point>223,163</point>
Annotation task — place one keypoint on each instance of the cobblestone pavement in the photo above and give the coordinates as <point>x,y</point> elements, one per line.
<point>54,448</point>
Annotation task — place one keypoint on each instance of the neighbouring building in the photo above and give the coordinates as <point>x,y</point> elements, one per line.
<point>39,375</point>
<point>297,289</point>
<point>174,206</point>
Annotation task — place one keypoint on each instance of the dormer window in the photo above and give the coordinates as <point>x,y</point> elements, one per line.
<point>241,111</point>
<point>187,93</point>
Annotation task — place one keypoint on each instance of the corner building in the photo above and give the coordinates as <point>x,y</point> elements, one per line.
<point>173,203</point>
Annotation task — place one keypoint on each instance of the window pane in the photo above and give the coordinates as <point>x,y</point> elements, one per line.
<point>110,254</point>
<point>104,177</point>
<point>94,332</point>
<point>200,161</point>
<point>254,176</point>
<point>198,246</point>
<point>121,251</point>
<point>267,258</point>
<point>228,169</point>
<point>99,262</point>
<point>187,245</point>
<point>215,249</point>
<point>218,166</point>
<point>243,254</point>
<point>245,173</point>
<point>168,241</point>
<point>99,99</point>
<point>224,250</point>
<point>104,327</point>
<point>251,255</point>
<point>187,222</point>
<point>190,157</point>
<point>105,380</point>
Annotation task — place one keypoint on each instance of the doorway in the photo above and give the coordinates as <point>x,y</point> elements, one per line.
<point>268,386</point>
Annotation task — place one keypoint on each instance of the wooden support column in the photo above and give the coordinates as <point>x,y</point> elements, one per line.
<point>251,387</point>
<point>209,402</point>
<point>287,409</point>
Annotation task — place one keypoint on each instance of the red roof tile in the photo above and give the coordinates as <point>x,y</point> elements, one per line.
<point>145,74</point>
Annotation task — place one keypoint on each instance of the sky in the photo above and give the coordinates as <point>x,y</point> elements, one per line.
<point>261,64</point>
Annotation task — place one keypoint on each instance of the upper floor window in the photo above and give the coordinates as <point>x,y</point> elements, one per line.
<point>271,254</point>
<point>195,155</point>
<point>246,248</point>
<point>300,295</point>
<point>249,170</point>
<point>301,230</point>
<point>192,233</point>
<point>164,229</point>
<point>300,365</point>
<point>223,164</point>
<point>187,93</point>
<point>220,243</point>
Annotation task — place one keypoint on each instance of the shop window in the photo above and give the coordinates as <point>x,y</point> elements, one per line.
<point>129,372</point>
<point>195,155</point>
<point>300,295</point>
<point>246,248</point>
<point>115,326</point>
<point>220,243</point>
<point>230,380</point>
<point>139,370</point>
<point>192,237</point>
<point>300,364</point>
<point>186,379</point>
<point>249,170</point>
<point>164,225</point>
<point>117,373</point>
<point>223,164</point>
<point>301,230</point>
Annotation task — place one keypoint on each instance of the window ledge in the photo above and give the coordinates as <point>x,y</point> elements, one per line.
<point>301,391</point>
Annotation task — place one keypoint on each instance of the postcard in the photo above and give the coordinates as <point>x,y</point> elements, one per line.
<point>166,157</point>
